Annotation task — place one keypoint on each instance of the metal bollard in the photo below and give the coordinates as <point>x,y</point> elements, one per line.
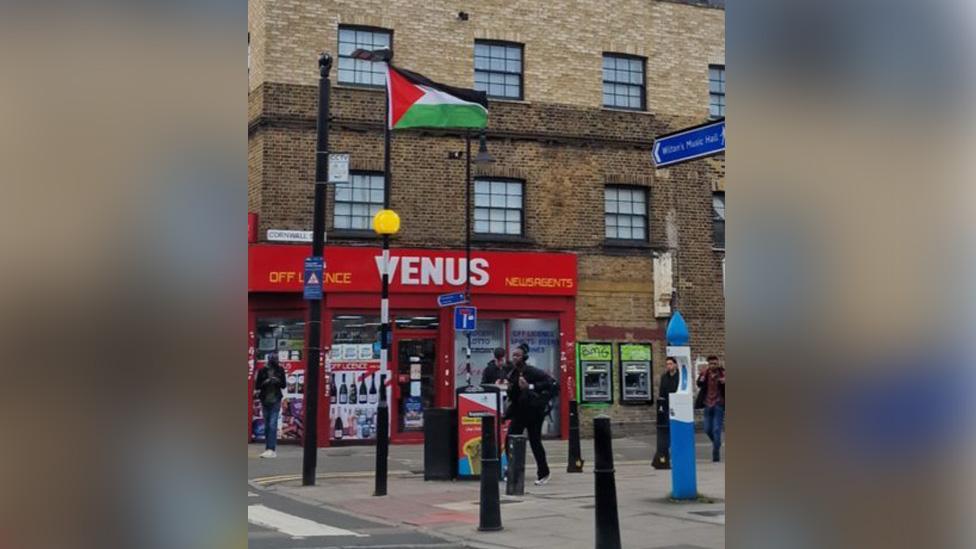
<point>515,485</point>
<point>607,519</point>
<point>491,512</point>
<point>575,461</point>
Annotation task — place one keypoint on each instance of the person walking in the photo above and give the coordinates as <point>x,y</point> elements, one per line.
<point>529,392</point>
<point>667,385</point>
<point>711,397</point>
<point>497,370</point>
<point>268,389</point>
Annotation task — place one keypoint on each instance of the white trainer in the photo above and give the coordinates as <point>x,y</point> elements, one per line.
<point>268,454</point>
<point>542,480</point>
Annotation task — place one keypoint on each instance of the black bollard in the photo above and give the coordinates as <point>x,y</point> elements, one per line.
<point>662,456</point>
<point>491,511</point>
<point>515,485</point>
<point>607,520</point>
<point>575,461</point>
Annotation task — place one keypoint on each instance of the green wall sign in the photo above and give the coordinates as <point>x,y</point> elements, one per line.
<point>635,351</point>
<point>595,351</point>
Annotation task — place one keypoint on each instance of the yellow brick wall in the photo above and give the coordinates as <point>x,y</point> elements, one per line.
<point>564,41</point>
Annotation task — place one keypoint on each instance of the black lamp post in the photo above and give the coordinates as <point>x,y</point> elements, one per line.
<point>312,366</point>
<point>483,158</point>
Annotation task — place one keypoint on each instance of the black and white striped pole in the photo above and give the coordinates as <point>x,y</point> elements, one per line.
<point>386,222</point>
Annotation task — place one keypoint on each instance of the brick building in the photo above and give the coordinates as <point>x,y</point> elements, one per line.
<point>577,91</point>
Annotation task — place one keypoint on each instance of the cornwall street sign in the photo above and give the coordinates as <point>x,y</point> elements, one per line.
<point>456,298</point>
<point>689,144</point>
<point>314,267</point>
<point>465,318</point>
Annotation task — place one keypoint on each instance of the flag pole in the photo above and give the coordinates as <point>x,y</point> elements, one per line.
<point>383,408</point>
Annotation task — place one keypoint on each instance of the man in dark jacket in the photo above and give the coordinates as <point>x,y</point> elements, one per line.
<point>268,390</point>
<point>670,380</point>
<point>529,392</point>
<point>711,397</point>
<point>497,369</point>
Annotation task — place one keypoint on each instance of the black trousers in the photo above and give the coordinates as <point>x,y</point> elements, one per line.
<point>532,422</point>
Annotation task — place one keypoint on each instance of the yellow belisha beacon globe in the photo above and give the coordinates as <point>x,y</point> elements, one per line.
<point>386,222</point>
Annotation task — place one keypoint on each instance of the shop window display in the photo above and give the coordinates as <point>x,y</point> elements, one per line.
<point>353,376</point>
<point>284,337</point>
<point>542,337</point>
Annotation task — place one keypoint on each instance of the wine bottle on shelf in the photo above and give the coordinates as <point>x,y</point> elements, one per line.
<point>337,431</point>
<point>362,391</point>
<point>373,396</point>
<point>352,390</point>
<point>351,423</point>
<point>343,397</point>
<point>332,389</point>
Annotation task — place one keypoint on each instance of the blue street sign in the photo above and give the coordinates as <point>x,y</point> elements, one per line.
<point>689,144</point>
<point>456,298</point>
<point>314,267</point>
<point>465,318</point>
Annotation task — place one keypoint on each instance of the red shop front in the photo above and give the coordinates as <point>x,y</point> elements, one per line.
<point>520,297</point>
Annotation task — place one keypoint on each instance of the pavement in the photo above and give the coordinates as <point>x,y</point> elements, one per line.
<point>340,511</point>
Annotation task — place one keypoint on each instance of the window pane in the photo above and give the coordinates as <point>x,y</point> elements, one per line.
<point>498,201</point>
<point>341,222</point>
<point>342,208</point>
<point>513,66</point>
<point>514,53</point>
<point>511,80</point>
<point>480,49</point>
<point>496,214</point>
<point>496,90</point>
<point>498,187</point>
<point>514,202</point>
<point>481,200</point>
<point>513,215</point>
<point>497,64</point>
<point>481,186</point>
<point>511,91</point>
<point>481,63</point>
<point>480,227</point>
<point>611,232</point>
<point>608,62</point>
<point>513,228</point>
<point>481,214</point>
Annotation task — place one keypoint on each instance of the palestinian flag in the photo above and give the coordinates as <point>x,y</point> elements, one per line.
<point>418,102</point>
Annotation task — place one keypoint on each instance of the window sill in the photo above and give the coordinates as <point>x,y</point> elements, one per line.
<point>714,249</point>
<point>508,100</point>
<point>630,111</point>
<point>640,244</point>
<point>352,234</point>
<point>516,239</point>
<point>358,87</point>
